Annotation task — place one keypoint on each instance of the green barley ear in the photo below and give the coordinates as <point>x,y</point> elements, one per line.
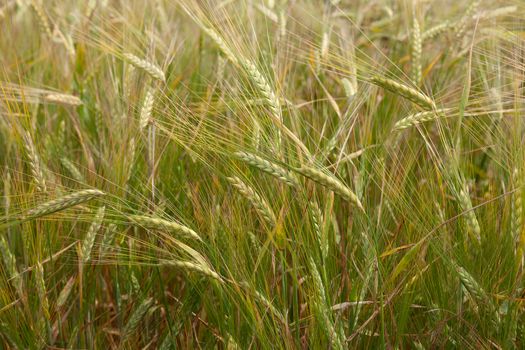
<point>265,301</point>
<point>405,91</point>
<point>154,223</point>
<point>332,183</point>
<point>7,192</point>
<point>63,99</point>
<point>135,284</point>
<point>476,291</point>
<point>517,228</point>
<point>135,319</point>
<point>147,108</point>
<point>193,267</point>
<point>260,205</point>
<point>268,167</point>
<point>317,221</point>
<point>219,42</point>
<point>517,209</point>
<point>43,21</point>
<point>231,344</point>
<point>75,173</point>
<point>35,163</point>
<point>107,240</point>
<point>435,31</point>
<point>348,86</point>
<point>322,310</point>
<point>470,216</point>
<point>62,203</point>
<point>10,265</point>
<point>461,25</point>
<point>152,69</point>
<point>419,118</point>
<point>264,87</point>
<point>65,292</point>
<point>89,240</point>
<point>42,291</point>
<point>416,52</point>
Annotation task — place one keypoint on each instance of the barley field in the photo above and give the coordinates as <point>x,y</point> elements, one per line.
<point>262,174</point>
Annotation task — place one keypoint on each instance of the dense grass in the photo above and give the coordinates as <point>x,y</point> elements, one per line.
<point>262,174</point>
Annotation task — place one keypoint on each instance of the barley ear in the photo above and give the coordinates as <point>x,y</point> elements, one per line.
<point>152,69</point>
<point>35,163</point>
<point>193,267</point>
<point>135,319</point>
<point>62,203</point>
<point>75,173</point>
<point>405,91</point>
<point>89,240</point>
<point>416,52</point>
<point>470,216</point>
<point>154,223</point>
<point>332,183</point>
<point>41,289</point>
<point>260,205</point>
<point>147,108</point>
<point>268,167</point>
<point>419,118</point>
<point>65,292</point>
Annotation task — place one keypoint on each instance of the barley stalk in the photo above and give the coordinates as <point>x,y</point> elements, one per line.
<point>89,240</point>
<point>405,91</point>
<point>153,223</point>
<point>260,205</point>
<point>62,203</point>
<point>153,70</point>
<point>332,183</point>
<point>268,167</point>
